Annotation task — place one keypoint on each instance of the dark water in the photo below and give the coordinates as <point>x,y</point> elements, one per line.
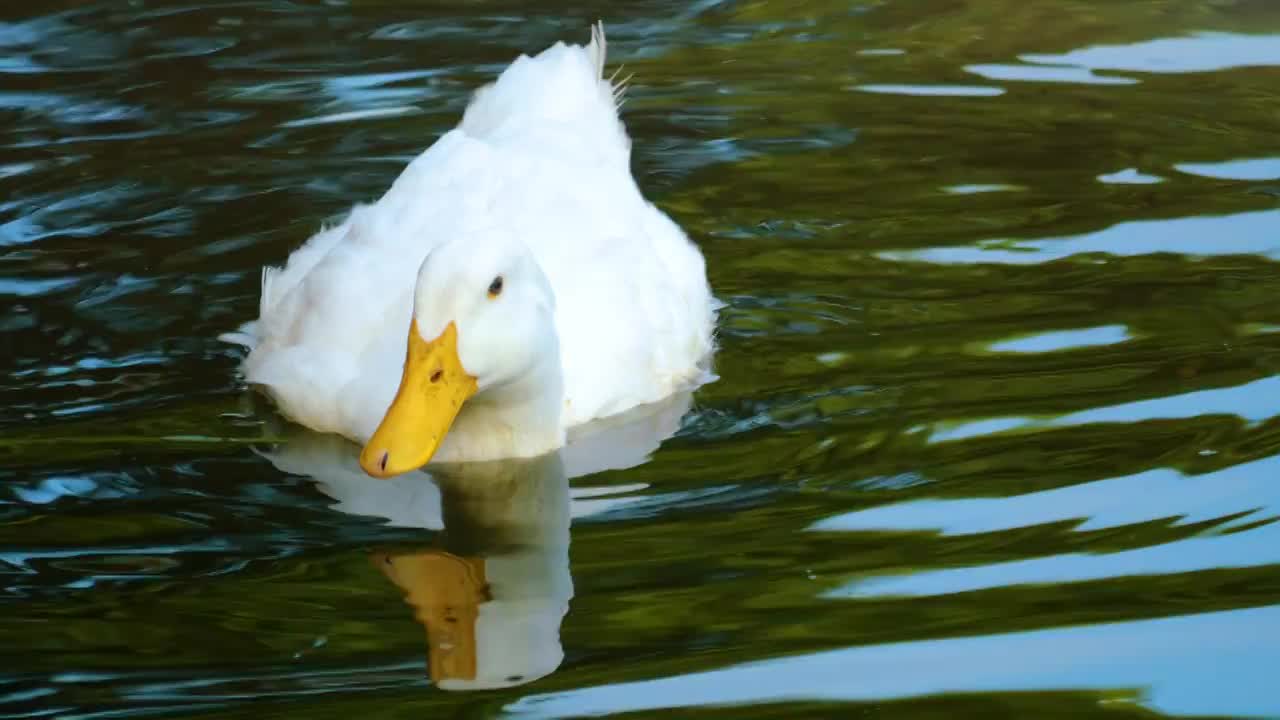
<point>997,432</point>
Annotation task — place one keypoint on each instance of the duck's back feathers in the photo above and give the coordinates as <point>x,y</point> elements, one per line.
<point>562,88</point>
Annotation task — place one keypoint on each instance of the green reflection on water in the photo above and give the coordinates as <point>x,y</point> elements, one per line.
<point>153,158</point>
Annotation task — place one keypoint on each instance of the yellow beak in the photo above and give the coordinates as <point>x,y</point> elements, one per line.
<point>432,389</point>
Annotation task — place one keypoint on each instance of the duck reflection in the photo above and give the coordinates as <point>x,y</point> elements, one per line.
<point>493,589</point>
<point>493,593</point>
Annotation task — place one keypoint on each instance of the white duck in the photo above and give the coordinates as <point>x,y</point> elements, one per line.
<point>538,288</point>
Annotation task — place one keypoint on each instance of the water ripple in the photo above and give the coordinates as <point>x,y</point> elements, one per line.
<point>1163,658</point>
<point>994,424</point>
<point>1238,234</point>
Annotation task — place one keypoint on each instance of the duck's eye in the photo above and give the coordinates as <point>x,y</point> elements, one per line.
<point>495,287</point>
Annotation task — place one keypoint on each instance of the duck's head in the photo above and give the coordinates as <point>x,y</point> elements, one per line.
<point>483,321</point>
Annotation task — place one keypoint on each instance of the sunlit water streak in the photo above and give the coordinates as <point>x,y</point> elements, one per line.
<point>1241,234</point>
<point>1168,659</point>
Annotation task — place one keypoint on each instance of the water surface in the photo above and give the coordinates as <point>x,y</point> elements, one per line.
<point>997,429</point>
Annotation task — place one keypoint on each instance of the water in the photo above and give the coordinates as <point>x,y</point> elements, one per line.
<point>997,427</point>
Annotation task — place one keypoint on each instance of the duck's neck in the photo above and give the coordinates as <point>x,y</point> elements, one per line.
<point>521,418</point>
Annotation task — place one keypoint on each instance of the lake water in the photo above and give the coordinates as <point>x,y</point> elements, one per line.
<point>996,434</point>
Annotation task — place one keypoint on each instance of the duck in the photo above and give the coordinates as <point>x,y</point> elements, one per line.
<point>511,284</point>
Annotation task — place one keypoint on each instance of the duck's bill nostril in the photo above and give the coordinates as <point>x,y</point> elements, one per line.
<point>433,386</point>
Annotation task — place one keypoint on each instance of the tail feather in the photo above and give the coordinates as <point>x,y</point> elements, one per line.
<point>599,47</point>
<point>268,298</point>
<point>619,87</point>
<point>599,51</point>
<point>246,335</point>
